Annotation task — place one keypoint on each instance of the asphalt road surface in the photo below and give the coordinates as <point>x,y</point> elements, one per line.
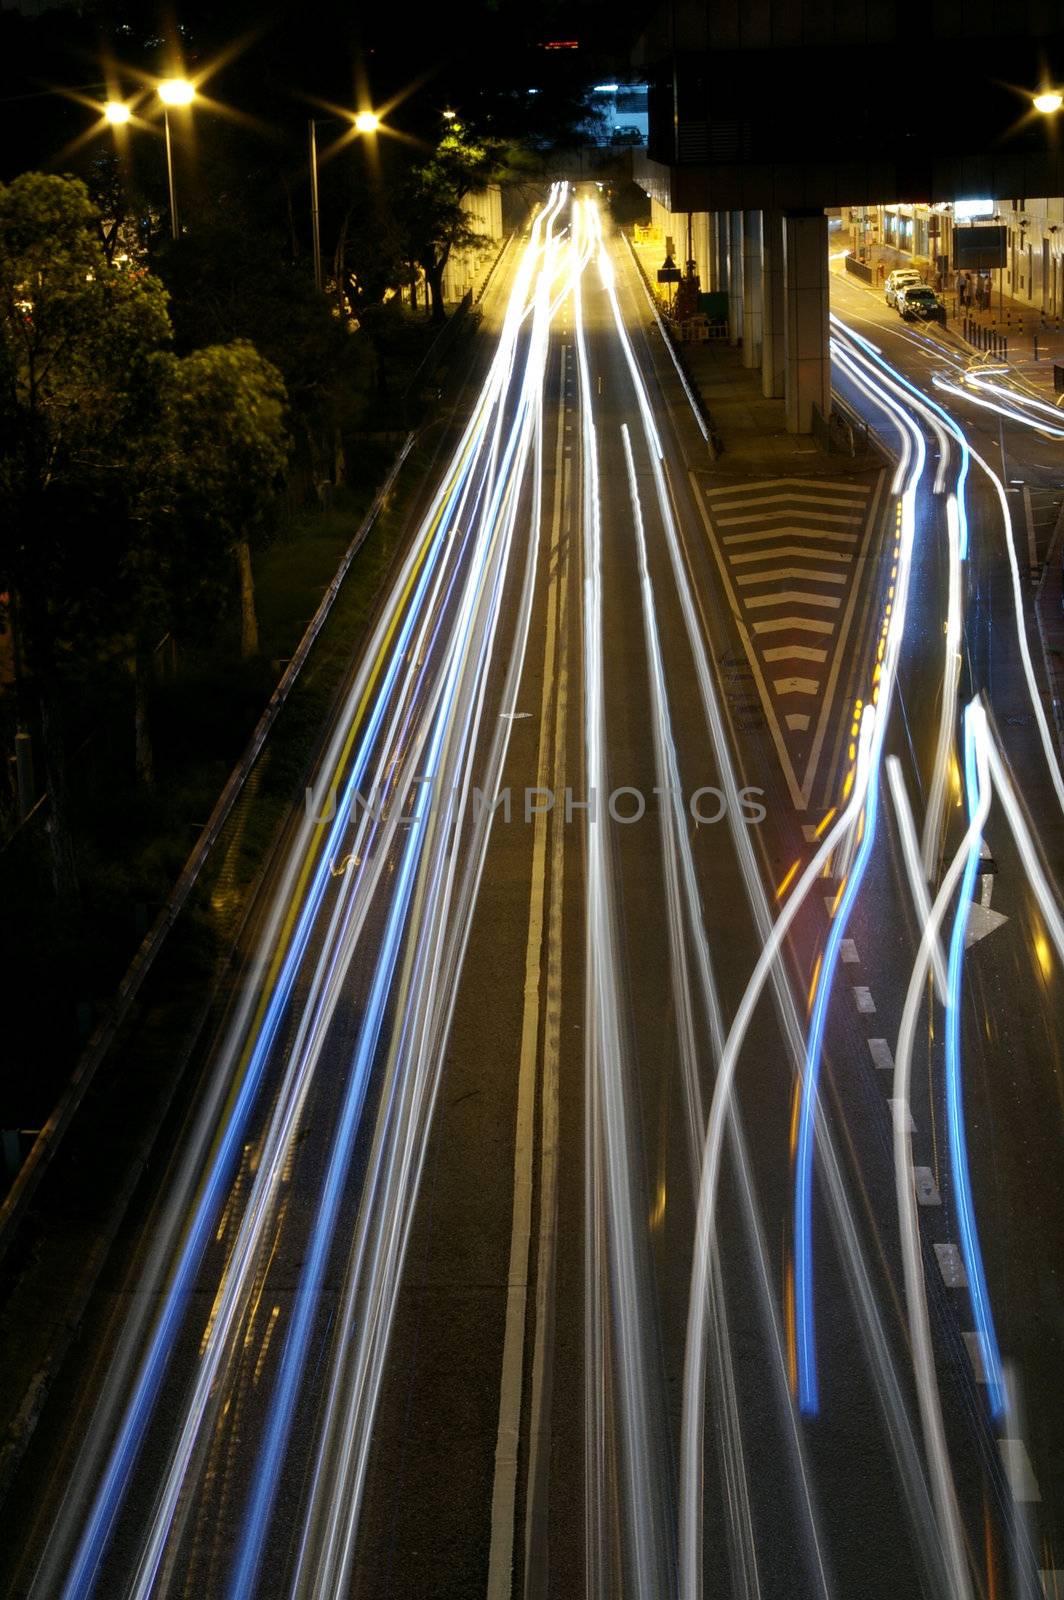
<point>628,1166</point>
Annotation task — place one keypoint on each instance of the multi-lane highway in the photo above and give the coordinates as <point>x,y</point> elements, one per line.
<point>628,1164</point>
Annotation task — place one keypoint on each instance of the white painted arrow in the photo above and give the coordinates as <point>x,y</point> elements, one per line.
<point>981,921</point>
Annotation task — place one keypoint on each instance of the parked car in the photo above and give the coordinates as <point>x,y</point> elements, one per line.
<point>917,303</point>
<point>900,279</point>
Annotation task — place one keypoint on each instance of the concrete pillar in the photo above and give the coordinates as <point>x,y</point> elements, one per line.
<point>772,305</point>
<point>751,288</point>
<point>720,224</point>
<point>735,277</point>
<point>807,369</point>
<point>700,233</point>
<point>713,281</point>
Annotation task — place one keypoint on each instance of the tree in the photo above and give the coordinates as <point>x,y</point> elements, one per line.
<point>76,340</point>
<point>432,212</point>
<point>230,281</point>
<point>222,412</point>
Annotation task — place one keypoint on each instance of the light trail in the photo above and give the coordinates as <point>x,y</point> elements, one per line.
<point>611,1250</point>
<point>958,1145</point>
<point>420,598</point>
<point>691,1477</point>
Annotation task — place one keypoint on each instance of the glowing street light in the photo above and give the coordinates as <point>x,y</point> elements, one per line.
<point>449,116</point>
<point>1048,101</point>
<point>177,92</point>
<point>364,122</point>
<point>173,92</point>
<point>117,113</point>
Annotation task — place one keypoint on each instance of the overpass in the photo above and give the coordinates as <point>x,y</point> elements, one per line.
<point>762,113</point>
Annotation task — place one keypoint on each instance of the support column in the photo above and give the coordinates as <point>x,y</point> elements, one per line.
<point>751,288</point>
<point>807,369</point>
<point>713,281</point>
<point>772,304</point>
<point>702,249</point>
<point>720,228</point>
<point>735,277</point>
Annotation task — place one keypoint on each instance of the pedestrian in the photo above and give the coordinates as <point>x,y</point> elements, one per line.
<point>962,290</point>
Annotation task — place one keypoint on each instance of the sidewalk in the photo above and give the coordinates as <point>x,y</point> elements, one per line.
<point>752,430</point>
<point>1021,328</point>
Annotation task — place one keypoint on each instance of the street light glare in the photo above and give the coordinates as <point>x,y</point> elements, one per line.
<point>1048,101</point>
<point>367,122</point>
<point>117,112</point>
<point>176,92</point>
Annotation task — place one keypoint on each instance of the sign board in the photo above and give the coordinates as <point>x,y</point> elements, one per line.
<point>981,247</point>
<point>669,274</point>
<point>964,210</point>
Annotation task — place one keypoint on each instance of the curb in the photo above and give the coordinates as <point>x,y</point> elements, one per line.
<point>1049,614</point>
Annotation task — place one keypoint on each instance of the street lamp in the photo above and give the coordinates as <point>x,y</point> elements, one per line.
<point>173,92</point>
<point>364,122</point>
<point>117,113</point>
<point>1048,101</point>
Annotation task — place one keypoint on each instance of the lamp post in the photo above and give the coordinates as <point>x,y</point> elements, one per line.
<point>364,122</point>
<point>315,219</point>
<point>173,92</point>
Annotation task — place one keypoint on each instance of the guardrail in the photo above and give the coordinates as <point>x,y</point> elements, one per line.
<point>701,415</point>
<point>860,269</point>
<point>47,1141</point>
<point>842,432</point>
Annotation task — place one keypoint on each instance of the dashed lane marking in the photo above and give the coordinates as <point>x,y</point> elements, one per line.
<point>881,1055</point>
<point>848,950</point>
<point>926,1188</point>
<point>974,1345</point>
<point>1019,1471</point>
<point>862,996</point>
<point>951,1266</point>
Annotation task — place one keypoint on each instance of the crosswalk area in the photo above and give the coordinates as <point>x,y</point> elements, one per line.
<point>791,553</point>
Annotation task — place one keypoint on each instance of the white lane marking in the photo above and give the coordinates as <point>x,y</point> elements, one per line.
<point>809,832</point>
<point>829,904</point>
<point>881,1055</point>
<point>974,1345</point>
<point>761,534</point>
<point>848,950</point>
<point>951,1266</point>
<point>793,597</point>
<point>803,624</point>
<point>770,516</point>
<point>774,551</point>
<point>902,1115</point>
<point>795,652</point>
<point>774,574</point>
<point>797,721</point>
<point>926,1188</point>
<point>785,483</point>
<point>795,685</point>
<point>1020,1472</point>
<point>863,999</point>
